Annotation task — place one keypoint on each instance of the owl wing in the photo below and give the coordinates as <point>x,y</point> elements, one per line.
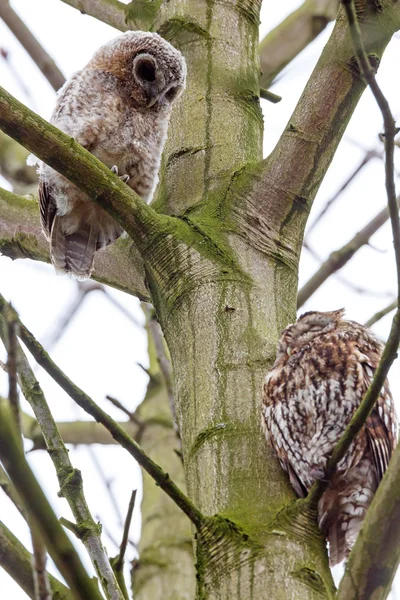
<point>48,207</point>
<point>380,426</point>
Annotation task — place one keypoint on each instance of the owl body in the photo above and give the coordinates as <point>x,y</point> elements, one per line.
<point>323,368</point>
<point>118,108</point>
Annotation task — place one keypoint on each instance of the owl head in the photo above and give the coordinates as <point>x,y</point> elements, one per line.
<point>307,327</point>
<point>151,72</point>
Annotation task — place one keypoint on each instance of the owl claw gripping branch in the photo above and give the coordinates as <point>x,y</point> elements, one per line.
<point>118,108</point>
<point>323,368</point>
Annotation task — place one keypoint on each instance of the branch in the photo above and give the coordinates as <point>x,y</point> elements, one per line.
<point>111,12</point>
<point>380,314</point>
<point>70,479</point>
<point>81,167</point>
<point>16,561</point>
<point>286,184</point>
<point>39,560</point>
<point>84,401</point>
<point>341,257</point>
<point>37,506</point>
<point>389,354</point>
<point>13,165</point>
<point>281,45</point>
<point>118,265</point>
<point>375,574</point>
<point>38,54</point>
<point>79,432</point>
<point>118,561</point>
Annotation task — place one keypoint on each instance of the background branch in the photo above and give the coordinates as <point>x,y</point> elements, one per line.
<point>70,480</point>
<point>339,258</point>
<point>16,561</point>
<point>281,45</point>
<point>37,506</point>
<point>118,265</point>
<point>38,54</point>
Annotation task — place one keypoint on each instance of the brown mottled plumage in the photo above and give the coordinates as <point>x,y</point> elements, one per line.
<point>323,368</point>
<point>118,108</point>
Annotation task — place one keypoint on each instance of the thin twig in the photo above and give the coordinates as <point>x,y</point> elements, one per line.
<point>85,402</point>
<point>390,350</point>
<point>380,314</point>
<point>10,342</point>
<point>134,418</point>
<point>107,482</point>
<point>340,257</point>
<point>120,559</point>
<point>36,504</point>
<point>38,54</point>
<point>69,479</point>
<point>368,156</point>
<point>41,582</point>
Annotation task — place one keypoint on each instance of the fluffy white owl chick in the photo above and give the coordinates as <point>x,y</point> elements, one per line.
<point>118,108</point>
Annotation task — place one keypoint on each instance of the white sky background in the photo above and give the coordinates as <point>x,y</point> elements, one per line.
<point>86,351</point>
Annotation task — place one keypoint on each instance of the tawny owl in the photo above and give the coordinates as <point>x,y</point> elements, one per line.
<point>118,108</point>
<point>323,368</point>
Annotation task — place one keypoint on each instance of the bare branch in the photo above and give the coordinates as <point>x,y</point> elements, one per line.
<point>341,257</point>
<point>387,505</point>
<point>85,402</point>
<point>38,54</point>
<point>111,12</point>
<point>365,160</point>
<point>16,561</point>
<point>39,560</point>
<point>118,561</point>
<point>390,351</point>
<point>39,509</point>
<point>70,480</point>
<point>380,314</point>
<point>118,265</point>
<point>281,45</point>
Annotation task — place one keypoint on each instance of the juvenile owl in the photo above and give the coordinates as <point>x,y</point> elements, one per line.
<point>323,368</point>
<point>118,108</point>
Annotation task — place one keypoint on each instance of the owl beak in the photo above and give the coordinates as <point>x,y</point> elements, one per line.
<point>153,97</point>
<point>289,351</point>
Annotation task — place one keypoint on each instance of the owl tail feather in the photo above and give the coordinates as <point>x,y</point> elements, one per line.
<point>73,253</point>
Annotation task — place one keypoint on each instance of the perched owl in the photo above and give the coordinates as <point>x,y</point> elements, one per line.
<point>118,108</point>
<point>323,368</point>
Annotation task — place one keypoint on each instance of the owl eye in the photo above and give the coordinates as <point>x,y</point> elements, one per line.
<point>145,70</point>
<point>172,93</point>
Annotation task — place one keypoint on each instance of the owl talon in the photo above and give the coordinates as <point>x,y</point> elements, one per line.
<point>124,178</point>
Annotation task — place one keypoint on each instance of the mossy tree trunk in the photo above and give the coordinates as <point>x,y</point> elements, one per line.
<point>223,304</point>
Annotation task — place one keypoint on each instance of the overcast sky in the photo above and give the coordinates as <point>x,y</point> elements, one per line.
<point>87,349</point>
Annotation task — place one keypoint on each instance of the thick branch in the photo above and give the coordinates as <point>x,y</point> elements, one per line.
<point>85,402</point>
<point>283,194</point>
<point>281,45</point>
<point>111,12</point>
<point>38,54</point>
<point>118,265</point>
<point>339,258</point>
<point>16,561</point>
<point>37,506</point>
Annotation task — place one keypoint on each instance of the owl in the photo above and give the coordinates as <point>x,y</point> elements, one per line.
<point>323,368</point>
<point>118,108</point>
